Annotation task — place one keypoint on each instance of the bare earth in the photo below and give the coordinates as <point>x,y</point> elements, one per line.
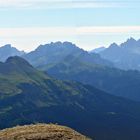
<point>41,132</point>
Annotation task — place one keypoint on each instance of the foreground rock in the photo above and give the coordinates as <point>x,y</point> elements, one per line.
<point>41,132</point>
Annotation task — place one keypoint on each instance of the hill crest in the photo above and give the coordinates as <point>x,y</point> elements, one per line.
<point>40,132</point>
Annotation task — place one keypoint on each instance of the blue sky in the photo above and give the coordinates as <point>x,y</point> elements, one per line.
<point>88,23</point>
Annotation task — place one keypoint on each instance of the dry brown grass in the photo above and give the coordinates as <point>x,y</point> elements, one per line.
<point>41,132</point>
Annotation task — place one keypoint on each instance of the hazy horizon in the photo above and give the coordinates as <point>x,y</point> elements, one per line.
<point>89,24</point>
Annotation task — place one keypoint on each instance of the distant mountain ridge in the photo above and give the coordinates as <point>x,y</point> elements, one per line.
<point>124,56</point>
<point>53,53</point>
<point>7,51</point>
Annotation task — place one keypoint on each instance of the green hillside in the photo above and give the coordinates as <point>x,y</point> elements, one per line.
<point>30,96</point>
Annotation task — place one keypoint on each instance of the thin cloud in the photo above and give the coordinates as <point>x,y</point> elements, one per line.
<point>66,3</point>
<point>67,31</point>
<point>108,30</point>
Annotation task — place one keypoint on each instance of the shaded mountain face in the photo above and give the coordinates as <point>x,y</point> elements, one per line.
<point>112,80</point>
<point>125,56</point>
<point>7,51</point>
<point>68,62</point>
<point>50,54</point>
<point>28,96</point>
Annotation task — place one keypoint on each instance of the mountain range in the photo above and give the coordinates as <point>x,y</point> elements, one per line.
<point>50,54</point>
<point>61,83</point>
<point>30,96</point>
<point>66,61</point>
<point>124,56</point>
